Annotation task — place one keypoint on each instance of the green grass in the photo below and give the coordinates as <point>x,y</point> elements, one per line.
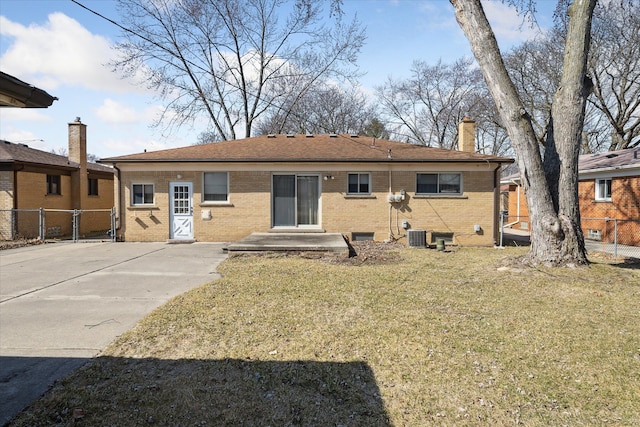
<point>431,339</point>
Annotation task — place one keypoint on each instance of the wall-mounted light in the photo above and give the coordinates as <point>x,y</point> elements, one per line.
<point>179,176</point>
<point>327,177</point>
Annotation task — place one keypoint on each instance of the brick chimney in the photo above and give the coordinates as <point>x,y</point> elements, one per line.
<point>467,135</point>
<point>78,154</point>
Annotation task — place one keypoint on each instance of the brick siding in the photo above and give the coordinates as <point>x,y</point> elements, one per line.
<point>624,205</point>
<point>249,207</point>
<point>31,187</point>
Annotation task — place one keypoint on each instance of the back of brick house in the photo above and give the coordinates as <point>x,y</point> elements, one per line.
<point>34,179</point>
<point>362,187</point>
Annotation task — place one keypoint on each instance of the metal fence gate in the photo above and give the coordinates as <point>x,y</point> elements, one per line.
<point>62,224</point>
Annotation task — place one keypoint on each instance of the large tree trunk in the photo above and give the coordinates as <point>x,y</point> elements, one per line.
<point>556,237</point>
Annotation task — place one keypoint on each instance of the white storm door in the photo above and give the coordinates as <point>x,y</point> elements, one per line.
<point>181,204</point>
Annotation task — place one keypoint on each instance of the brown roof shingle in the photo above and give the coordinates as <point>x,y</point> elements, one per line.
<point>20,153</point>
<point>307,148</point>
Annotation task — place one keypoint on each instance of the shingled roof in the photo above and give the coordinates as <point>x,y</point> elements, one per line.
<point>594,163</point>
<point>628,158</point>
<point>307,148</point>
<point>21,153</point>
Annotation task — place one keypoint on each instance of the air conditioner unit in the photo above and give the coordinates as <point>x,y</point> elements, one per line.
<point>417,238</point>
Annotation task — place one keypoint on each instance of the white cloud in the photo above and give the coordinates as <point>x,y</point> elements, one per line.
<point>115,112</point>
<point>131,146</point>
<point>21,136</point>
<point>60,52</point>
<point>508,26</point>
<point>24,114</point>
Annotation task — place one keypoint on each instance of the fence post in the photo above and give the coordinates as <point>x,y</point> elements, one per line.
<point>615,238</point>
<point>74,226</point>
<point>41,224</point>
<point>113,224</point>
<point>501,226</point>
<point>14,229</point>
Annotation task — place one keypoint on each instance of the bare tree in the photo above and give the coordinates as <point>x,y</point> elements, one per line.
<point>614,66</point>
<point>326,109</point>
<point>550,183</point>
<point>535,68</point>
<point>208,137</point>
<point>222,59</point>
<point>375,128</point>
<point>64,151</point>
<point>612,115</point>
<point>428,106</point>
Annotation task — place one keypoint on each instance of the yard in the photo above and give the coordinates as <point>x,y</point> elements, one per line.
<point>403,337</point>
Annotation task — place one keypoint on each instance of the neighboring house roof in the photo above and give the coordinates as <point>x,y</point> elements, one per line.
<point>620,162</point>
<point>16,93</point>
<point>307,148</point>
<point>21,153</point>
<point>610,161</point>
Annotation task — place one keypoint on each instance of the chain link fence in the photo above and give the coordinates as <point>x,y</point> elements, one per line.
<point>60,224</point>
<point>619,237</point>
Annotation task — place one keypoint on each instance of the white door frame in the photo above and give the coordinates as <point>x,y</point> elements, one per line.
<point>295,201</point>
<point>181,210</point>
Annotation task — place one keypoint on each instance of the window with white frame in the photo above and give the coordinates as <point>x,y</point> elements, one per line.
<point>439,183</point>
<point>142,194</point>
<point>603,189</point>
<point>359,183</point>
<point>216,187</point>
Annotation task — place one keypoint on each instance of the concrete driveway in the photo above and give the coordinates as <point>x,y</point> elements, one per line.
<point>62,303</point>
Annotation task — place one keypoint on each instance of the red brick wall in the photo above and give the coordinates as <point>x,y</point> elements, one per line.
<point>521,213</point>
<point>624,205</point>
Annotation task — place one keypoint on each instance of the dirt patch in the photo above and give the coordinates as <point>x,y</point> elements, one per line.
<point>19,243</point>
<point>367,252</point>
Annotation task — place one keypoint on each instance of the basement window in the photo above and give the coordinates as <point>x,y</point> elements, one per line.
<point>361,235</point>
<point>594,234</point>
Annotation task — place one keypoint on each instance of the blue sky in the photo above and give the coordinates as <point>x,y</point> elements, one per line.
<point>60,47</point>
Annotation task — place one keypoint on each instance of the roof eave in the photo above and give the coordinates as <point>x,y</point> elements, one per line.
<point>493,160</point>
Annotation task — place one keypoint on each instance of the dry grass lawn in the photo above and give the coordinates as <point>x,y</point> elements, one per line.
<point>432,338</point>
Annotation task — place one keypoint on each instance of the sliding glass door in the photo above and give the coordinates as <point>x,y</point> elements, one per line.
<point>295,200</point>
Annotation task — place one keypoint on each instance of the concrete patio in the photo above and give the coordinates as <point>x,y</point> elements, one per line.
<point>301,242</point>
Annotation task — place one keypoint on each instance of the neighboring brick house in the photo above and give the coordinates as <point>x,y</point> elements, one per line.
<point>608,187</point>
<point>359,186</point>
<point>33,179</point>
